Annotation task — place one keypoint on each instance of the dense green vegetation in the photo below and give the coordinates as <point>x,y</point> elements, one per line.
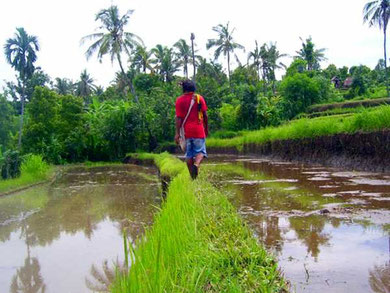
<point>197,243</point>
<point>74,121</point>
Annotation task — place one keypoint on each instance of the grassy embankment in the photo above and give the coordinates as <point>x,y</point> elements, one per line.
<point>33,171</point>
<point>367,121</point>
<point>197,243</point>
<point>349,104</point>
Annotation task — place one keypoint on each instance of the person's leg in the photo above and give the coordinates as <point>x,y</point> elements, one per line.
<point>198,159</point>
<point>200,153</point>
<point>190,163</point>
<point>190,157</point>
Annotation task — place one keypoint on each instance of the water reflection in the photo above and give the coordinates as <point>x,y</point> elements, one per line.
<point>100,280</point>
<point>63,228</point>
<point>327,227</point>
<point>28,278</point>
<point>310,231</point>
<point>380,278</point>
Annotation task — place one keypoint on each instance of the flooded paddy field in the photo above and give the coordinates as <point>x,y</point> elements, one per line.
<point>328,228</point>
<point>68,236</point>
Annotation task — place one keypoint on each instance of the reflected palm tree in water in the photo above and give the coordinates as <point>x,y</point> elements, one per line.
<point>28,278</point>
<point>380,277</point>
<point>102,279</point>
<point>309,230</point>
<point>270,233</point>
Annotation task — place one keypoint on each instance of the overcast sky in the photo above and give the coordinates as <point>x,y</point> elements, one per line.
<point>59,25</point>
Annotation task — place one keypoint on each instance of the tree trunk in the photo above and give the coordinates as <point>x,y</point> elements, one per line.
<point>186,70</point>
<point>193,55</point>
<point>129,81</point>
<point>22,100</point>
<point>264,80</point>
<point>385,55</point>
<point>228,57</point>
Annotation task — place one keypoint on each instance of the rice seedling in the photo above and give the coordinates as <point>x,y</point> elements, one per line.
<point>197,243</point>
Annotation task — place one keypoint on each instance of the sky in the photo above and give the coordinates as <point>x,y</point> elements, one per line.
<point>336,25</point>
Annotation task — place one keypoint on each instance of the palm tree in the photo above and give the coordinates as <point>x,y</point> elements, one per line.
<point>158,52</point>
<point>224,44</point>
<point>255,55</point>
<point>20,52</point>
<point>377,12</point>
<point>184,54</point>
<point>265,59</point>
<point>169,65</point>
<point>63,86</point>
<point>166,63</point>
<point>142,59</point>
<point>85,87</point>
<point>114,40</point>
<point>274,63</point>
<point>312,56</point>
<point>121,83</point>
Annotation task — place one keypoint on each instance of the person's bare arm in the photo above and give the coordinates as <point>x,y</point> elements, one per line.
<point>179,122</point>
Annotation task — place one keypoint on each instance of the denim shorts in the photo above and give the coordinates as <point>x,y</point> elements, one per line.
<point>195,146</point>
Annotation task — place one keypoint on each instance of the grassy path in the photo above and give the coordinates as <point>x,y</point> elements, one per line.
<point>197,243</point>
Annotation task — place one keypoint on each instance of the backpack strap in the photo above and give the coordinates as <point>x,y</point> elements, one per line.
<point>188,112</point>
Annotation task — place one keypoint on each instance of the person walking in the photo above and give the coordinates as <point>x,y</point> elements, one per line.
<point>194,117</point>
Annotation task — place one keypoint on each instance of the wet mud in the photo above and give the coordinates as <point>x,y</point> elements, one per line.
<point>358,151</point>
<point>328,228</point>
<point>67,236</point>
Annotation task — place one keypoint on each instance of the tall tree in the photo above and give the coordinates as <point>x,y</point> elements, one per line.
<point>141,59</point>
<point>166,63</point>
<point>64,86</point>
<point>312,56</point>
<point>224,43</point>
<point>255,55</point>
<point>113,40</point>
<point>158,52</point>
<point>183,54</point>
<point>377,12</point>
<point>20,52</point>
<point>274,63</point>
<point>85,87</point>
<point>6,113</point>
<point>266,60</point>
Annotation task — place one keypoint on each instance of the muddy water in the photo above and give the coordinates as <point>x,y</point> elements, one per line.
<point>328,228</point>
<point>67,236</point>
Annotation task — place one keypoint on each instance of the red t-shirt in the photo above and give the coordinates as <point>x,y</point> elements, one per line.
<point>193,127</point>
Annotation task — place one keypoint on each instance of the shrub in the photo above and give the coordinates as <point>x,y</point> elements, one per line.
<point>229,117</point>
<point>35,166</point>
<point>225,134</point>
<point>299,91</point>
<point>10,164</point>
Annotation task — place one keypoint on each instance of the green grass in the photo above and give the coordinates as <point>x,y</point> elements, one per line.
<point>90,164</point>
<point>349,104</point>
<point>373,120</point>
<point>33,170</point>
<point>337,111</point>
<point>197,243</point>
